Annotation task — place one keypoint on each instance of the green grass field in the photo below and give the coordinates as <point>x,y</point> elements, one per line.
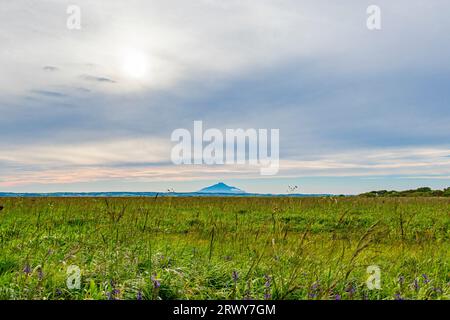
<point>224,248</point>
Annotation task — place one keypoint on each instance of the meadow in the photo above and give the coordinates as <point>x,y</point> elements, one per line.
<point>224,248</point>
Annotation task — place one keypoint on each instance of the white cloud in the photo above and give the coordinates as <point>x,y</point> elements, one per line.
<point>117,152</point>
<point>187,39</point>
<point>149,161</point>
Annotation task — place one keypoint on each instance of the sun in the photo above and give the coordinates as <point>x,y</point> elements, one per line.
<point>134,64</point>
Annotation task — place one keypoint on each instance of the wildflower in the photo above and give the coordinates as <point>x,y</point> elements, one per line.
<point>58,292</point>
<point>267,284</point>
<point>337,297</point>
<point>156,283</point>
<point>397,296</point>
<point>268,281</point>
<point>114,291</point>
<point>139,295</point>
<point>113,294</point>
<point>27,269</point>
<point>235,276</point>
<point>314,290</point>
<point>350,290</point>
<point>40,274</point>
<point>425,278</point>
<point>416,285</point>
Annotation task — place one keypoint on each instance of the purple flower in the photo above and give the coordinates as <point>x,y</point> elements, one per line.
<point>337,297</point>
<point>267,284</point>
<point>416,285</point>
<point>235,276</point>
<point>114,292</point>
<point>27,269</point>
<point>314,290</point>
<point>397,296</point>
<point>156,283</point>
<point>268,281</point>
<point>425,278</point>
<point>350,290</point>
<point>40,274</point>
<point>139,295</point>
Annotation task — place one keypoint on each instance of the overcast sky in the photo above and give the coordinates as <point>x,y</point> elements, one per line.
<point>357,109</point>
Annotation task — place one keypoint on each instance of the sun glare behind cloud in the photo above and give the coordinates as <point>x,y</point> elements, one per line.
<point>134,64</point>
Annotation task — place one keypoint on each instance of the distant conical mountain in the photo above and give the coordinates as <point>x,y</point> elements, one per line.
<point>221,188</point>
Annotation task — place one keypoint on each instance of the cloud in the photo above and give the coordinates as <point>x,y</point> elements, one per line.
<point>147,160</point>
<point>97,79</point>
<point>50,68</point>
<point>106,152</point>
<point>185,41</point>
<point>47,93</point>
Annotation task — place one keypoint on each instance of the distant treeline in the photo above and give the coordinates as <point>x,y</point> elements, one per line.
<point>421,192</point>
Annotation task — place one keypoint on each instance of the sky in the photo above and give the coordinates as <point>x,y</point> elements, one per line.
<point>93,109</point>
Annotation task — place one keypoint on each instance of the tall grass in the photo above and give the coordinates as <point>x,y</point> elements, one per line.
<point>225,248</point>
